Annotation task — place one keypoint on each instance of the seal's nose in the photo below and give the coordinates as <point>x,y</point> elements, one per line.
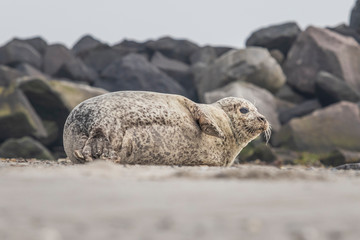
<point>261,119</point>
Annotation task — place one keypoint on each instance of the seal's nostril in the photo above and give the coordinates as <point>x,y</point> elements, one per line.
<point>261,119</point>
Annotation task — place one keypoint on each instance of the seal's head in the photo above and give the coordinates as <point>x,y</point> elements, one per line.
<point>245,119</point>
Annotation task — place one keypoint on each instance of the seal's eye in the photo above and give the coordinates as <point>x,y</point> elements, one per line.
<point>244,110</point>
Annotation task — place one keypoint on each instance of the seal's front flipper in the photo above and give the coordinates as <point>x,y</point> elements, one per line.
<point>206,123</point>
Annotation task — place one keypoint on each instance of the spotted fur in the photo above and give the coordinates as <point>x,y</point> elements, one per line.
<point>152,128</point>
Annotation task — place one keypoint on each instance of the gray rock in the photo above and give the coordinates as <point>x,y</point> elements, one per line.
<point>261,152</point>
<point>101,57</point>
<point>84,44</point>
<point>38,43</point>
<point>278,56</point>
<point>336,126</point>
<point>25,147</point>
<point>300,110</point>
<point>221,50</point>
<point>206,55</point>
<point>53,100</point>
<point>55,56</point>
<point>8,75</point>
<point>179,49</point>
<point>17,116</point>
<point>355,17</point>
<point>339,157</point>
<point>178,71</point>
<point>346,31</point>
<point>131,47</point>
<point>279,37</point>
<point>254,65</point>
<point>318,50</point>
<point>330,89</point>
<point>76,70</point>
<point>16,52</point>
<point>263,99</point>
<point>134,72</point>
<point>287,93</point>
<point>28,70</point>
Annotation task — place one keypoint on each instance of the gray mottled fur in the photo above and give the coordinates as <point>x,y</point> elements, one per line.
<point>153,128</point>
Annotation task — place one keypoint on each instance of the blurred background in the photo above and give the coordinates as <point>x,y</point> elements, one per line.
<point>297,61</point>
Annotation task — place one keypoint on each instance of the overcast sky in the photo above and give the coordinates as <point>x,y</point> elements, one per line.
<point>216,22</point>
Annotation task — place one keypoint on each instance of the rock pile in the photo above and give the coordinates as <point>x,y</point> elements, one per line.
<point>307,84</point>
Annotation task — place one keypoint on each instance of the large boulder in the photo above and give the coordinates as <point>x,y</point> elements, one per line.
<point>53,100</point>
<point>355,17</point>
<point>254,65</point>
<point>25,147</point>
<point>102,56</point>
<point>179,49</point>
<point>279,37</point>
<point>28,70</point>
<point>336,126</point>
<point>55,56</point>
<point>131,47</point>
<point>331,89</point>
<point>206,55</point>
<point>300,110</point>
<point>178,71</point>
<point>346,31</point>
<point>38,43</point>
<point>318,49</point>
<point>16,52</point>
<point>8,75</point>
<point>17,116</point>
<point>61,62</point>
<point>339,157</point>
<point>84,44</point>
<point>263,99</point>
<point>134,72</point>
<point>288,94</point>
<point>76,70</point>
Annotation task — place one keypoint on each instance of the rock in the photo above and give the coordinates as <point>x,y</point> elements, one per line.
<point>286,93</point>
<point>28,70</point>
<point>204,55</point>
<point>8,75</point>
<point>134,72</point>
<point>318,50</point>
<point>53,100</point>
<point>76,70</point>
<point>131,47</point>
<point>17,116</point>
<point>178,71</point>
<point>16,52</point>
<point>279,37</point>
<point>330,89</point>
<point>52,130</point>
<point>222,50</point>
<point>101,57</point>
<point>346,31</point>
<point>25,147</point>
<point>179,49</point>
<point>340,157</point>
<point>278,56</point>
<point>60,62</point>
<point>283,105</point>
<point>336,126</point>
<point>84,44</point>
<point>349,166</point>
<point>55,56</point>
<point>254,65</point>
<point>300,110</point>
<point>38,43</point>
<point>261,151</point>
<point>355,17</point>
<point>263,100</point>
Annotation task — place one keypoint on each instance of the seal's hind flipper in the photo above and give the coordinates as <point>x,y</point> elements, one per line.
<point>206,123</point>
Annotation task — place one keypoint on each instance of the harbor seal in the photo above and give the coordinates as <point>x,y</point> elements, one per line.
<point>131,127</point>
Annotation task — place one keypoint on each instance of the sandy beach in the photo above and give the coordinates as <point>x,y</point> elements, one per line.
<point>54,201</point>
